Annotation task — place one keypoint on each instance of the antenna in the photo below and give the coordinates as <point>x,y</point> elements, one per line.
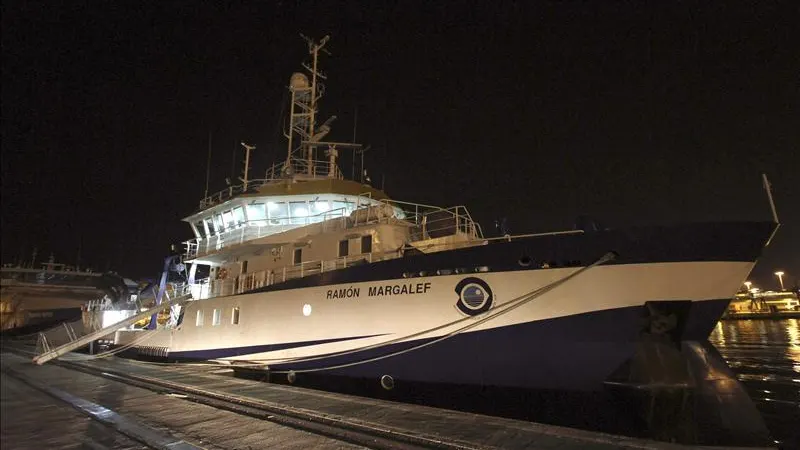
<point>78,257</point>
<point>768,188</point>
<point>243,179</point>
<point>355,124</point>
<point>233,167</point>
<point>208,164</point>
<point>363,170</point>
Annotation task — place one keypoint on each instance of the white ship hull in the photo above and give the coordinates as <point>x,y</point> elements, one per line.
<point>572,337</point>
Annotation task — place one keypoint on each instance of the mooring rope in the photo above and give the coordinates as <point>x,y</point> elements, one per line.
<point>499,310</point>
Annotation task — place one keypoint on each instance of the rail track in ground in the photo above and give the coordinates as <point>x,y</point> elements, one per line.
<point>320,424</point>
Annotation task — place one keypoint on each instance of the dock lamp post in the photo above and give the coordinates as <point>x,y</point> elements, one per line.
<point>779,274</point>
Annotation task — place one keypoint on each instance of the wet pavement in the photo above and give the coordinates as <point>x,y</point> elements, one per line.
<point>33,420</point>
<point>209,427</point>
<point>199,426</point>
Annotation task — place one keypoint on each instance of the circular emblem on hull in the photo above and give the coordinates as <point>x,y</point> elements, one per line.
<point>474,296</point>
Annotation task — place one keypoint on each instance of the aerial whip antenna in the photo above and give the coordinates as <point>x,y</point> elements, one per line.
<point>768,188</point>
<point>243,178</point>
<point>208,164</point>
<point>355,125</point>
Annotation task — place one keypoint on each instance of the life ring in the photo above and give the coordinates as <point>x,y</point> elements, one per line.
<point>222,273</point>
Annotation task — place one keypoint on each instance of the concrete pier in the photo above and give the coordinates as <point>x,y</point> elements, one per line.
<point>171,413</point>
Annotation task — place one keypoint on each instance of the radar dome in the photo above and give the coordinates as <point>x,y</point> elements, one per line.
<point>298,81</point>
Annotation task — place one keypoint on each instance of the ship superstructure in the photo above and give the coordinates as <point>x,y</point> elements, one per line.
<point>304,217</point>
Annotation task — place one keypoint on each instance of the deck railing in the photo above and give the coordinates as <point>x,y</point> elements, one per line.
<point>256,229</point>
<point>296,168</point>
<point>246,282</point>
<point>426,222</point>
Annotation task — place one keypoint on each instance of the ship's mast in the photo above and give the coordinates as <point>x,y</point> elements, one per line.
<point>303,111</point>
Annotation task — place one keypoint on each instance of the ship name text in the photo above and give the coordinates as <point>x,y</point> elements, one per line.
<point>374,291</point>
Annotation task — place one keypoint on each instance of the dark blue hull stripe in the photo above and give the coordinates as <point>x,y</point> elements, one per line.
<point>734,241</point>
<point>572,352</point>
<point>251,349</point>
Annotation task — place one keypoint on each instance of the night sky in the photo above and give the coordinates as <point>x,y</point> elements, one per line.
<point>631,112</point>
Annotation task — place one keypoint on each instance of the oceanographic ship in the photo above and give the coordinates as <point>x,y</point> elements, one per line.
<point>312,272</point>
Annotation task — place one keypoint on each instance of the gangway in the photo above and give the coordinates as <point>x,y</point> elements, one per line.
<point>77,342</point>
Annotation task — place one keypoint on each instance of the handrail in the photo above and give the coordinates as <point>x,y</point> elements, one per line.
<point>255,229</point>
<point>74,273</point>
<point>252,229</point>
<point>319,169</point>
<point>77,342</point>
<point>455,218</point>
<point>519,236</point>
<point>253,280</point>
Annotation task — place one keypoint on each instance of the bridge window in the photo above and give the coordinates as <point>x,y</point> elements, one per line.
<point>320,206</point>
<point>217,318</point>
<point>201,230</point>
<point>235,316</point>
<point>277,212</point>
<point>210,225</point>
<point>257,213</point>
<point>299,212</point>
<point>244,266</point>
<point>199,320</point>
<point>227,217</point>
<point>343,207</point>
<point>344,248</point>
<point>366,244</point>
<point>218,223</point>
<point>238,215</point>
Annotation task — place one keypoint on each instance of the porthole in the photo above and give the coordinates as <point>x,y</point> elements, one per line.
<point>525,261</point>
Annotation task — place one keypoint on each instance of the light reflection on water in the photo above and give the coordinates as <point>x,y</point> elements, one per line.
<point>765,354</point>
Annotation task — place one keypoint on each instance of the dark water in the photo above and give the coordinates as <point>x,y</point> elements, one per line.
<point>765,354</point>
